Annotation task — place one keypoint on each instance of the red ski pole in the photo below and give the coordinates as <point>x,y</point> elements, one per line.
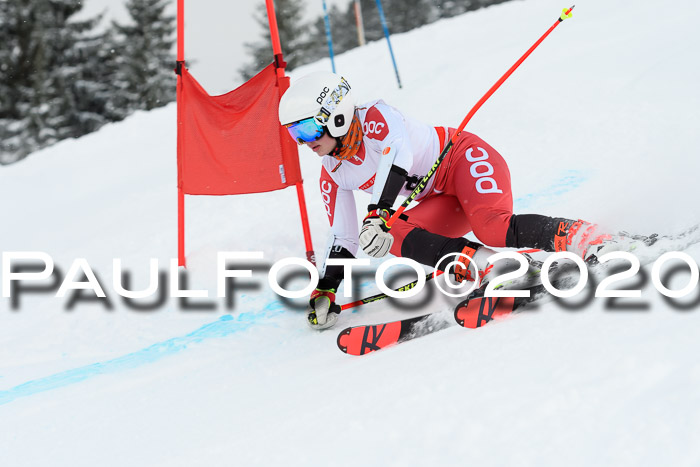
<point>410,285</point>
<point>381,296</point>
<point>566,13</point>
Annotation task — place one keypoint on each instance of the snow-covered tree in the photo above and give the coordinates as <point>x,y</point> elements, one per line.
<point>13,80</point>
<point>294,35</point>
<point>344,37</point>
<point>370,19</point>
<point>404,15</point>
<point>144,54</point>
<point>46,63</point>
<point>449,8</point>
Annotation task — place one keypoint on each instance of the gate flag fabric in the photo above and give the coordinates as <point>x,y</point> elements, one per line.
<point>233,143</point>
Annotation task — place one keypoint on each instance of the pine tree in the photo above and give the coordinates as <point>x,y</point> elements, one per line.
<point>405,15</point>
<point>401,16</point>
<point>371,20</point>
<point>449,8</point>
<point>46,87</point>
<point>294,37</point>
<point>144,56</point>
<point>86,78</point>
<point>107,92</point>
<point>344,29</point>
<point>13,80</point>
<point>344,34</point>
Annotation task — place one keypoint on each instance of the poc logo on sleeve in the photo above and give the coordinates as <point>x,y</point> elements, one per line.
<point>373,128</point>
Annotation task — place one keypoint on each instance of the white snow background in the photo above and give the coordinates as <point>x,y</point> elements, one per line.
<point>600,123</point>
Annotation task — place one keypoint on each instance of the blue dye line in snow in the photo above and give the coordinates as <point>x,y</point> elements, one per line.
<point>571,180</point>
<point>223,327</point>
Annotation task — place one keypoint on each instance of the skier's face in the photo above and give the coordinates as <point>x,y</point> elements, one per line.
<point>322,146</point>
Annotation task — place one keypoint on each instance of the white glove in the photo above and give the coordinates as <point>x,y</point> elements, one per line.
<point>375,239</point>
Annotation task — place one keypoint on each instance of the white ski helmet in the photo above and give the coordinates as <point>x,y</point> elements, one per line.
<point>322,96</point>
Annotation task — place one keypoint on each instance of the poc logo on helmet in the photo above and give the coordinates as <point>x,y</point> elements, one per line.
<point>481,171</point>
<point>323,94</point>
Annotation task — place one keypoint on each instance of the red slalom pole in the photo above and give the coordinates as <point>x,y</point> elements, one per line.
<point>566,13</point>
<point>283,84</point>
<point>181,260</point>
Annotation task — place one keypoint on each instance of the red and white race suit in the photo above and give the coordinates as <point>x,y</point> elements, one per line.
<point>469,192</point>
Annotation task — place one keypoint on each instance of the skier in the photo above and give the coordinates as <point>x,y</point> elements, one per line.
<point>373,147</point>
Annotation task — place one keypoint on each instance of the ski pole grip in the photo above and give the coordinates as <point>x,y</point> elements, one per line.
<point>396,215</point>
<point>566,13</point>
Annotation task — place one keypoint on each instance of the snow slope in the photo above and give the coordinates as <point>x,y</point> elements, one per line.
<point>599,123</point>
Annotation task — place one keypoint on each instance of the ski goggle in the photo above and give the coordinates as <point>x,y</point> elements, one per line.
<point>305,131</point>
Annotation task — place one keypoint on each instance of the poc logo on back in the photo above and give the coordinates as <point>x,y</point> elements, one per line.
<point>323,94</point>
<point>482,170</point>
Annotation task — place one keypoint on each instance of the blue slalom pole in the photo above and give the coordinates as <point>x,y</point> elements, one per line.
<point>327,20</point>
<point>386,33</point>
